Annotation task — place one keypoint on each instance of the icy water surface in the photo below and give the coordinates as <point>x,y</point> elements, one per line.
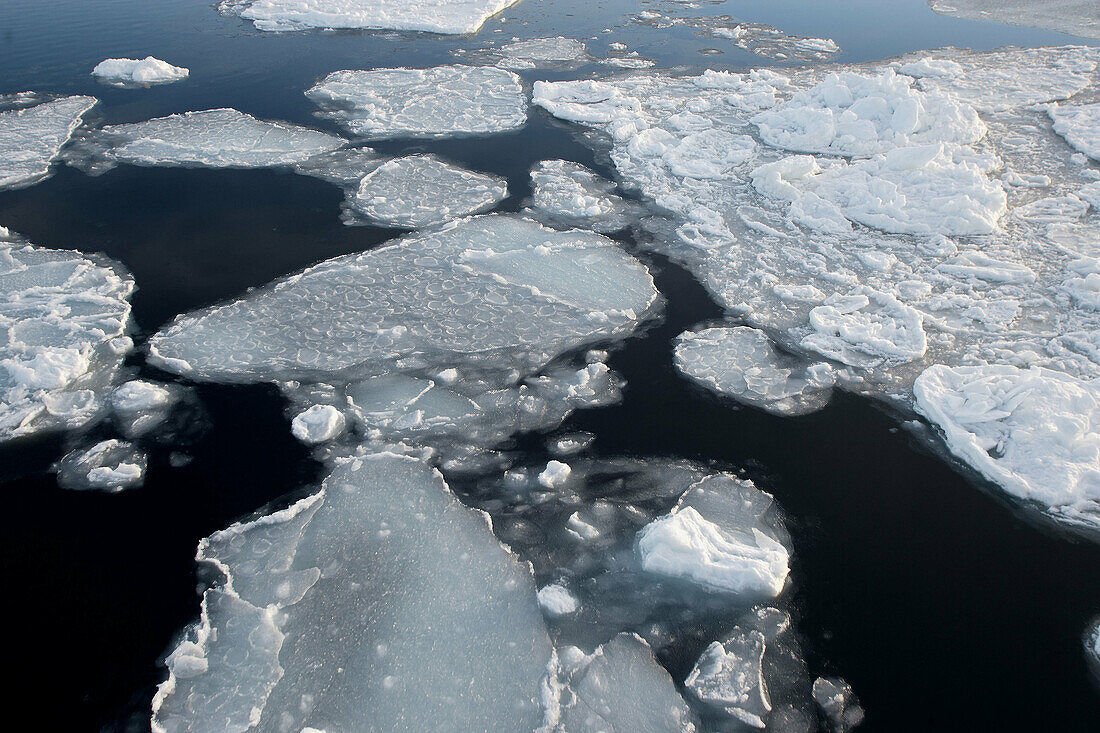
<point>943,605</point>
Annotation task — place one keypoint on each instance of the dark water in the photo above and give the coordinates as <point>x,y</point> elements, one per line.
<point>945,607</point>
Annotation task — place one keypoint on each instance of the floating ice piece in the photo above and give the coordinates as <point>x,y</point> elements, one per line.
<point>865,327</point>
<point>421,189</point>
<point>1035,432</point>
<point>379,603</point>
<point>744,364</point>
<point>838,703</point>
<point>1092,649</point>
<point>317,424</point>
<point>569,194</point>
<point>537,53</point>
<point>852,114</point>
<point>1083,283</point>
<point>1079,125</point>
<point>571,444</point>
<point>30,138</point>
<point>555,474</point>
<point>632,60</point>
<point>139,406</point>
<point>111,465</point>
<point>619,688</point>
<point>765,40</point>
<point>443,100</point>
<point>718,537</point>
<point>556,600</point>
<point>64,317</point>
<point>135,73</point>
<point>216,138</point>
<point>1075,17</point>
<point>432,16</point>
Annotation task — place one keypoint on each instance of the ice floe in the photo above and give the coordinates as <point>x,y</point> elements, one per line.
<point>838,703</point>
<point>64,318</point>
<point>379,602</point>
<point>1075,17</point>
<point>139,406</point>
<point>556,600</point>
<point>744,364</point>
<point>110,465</point>
<point>532,53</point>
<point>433,16</point>
<point>1079,125</point>
<point>568,194</point>
<point>317,424</point>
<point>767,41</point>
<point>1092,649</point>
<point>419,190</point>
<point>31,138</point>
<point>137,73</point>
<point>443,100</point>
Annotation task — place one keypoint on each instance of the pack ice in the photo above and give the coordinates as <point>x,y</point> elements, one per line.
<point>31,138</point>
<point>932,217</point>
<point>137,73</point>
<point>443,100</point>
<point>433,16</point>
<point>64,318</point>
<point>1075,17</point>
<point>419,190</point>
<point>379,603</point>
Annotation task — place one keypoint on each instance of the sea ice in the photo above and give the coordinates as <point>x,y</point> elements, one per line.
<point>378,603</point>
<point>555,474</point>
<point>1075,17</point>
<point>838,703</point>
<point>744,364</point>
<point>1092,649</point>
<point>31,138</point>
<point>317,424</point>
<point>556,600</point>
<point>568,194</point>
<point>139,406</point>
<point>443,100</point>
<point>111,465</point>
<point>769,42</point>
<point>64,318</point>
<point>433,16</point>
<point>421,189</point>
<point>1079,125</point>
<point>535,53</point>
<point>135,73</point>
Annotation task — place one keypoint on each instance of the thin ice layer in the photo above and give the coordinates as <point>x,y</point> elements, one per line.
<point>1075,17</point>
<point>744,364</point>
<point>63,323</point>
<point>421,189</point>
<point>379,603</point>
<point>569,194</point>
<point>433,16</point>
<point>217,138</point>
<point>110,465</point>
<point>134,72</point>
<point>535,53</point>
<point>1079,125</point>
<point>31,138</point>
<point>1035,432</point>
<point>443,100</point>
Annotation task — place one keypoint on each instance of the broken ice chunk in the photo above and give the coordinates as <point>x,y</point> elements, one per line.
<point>30,138</point>
<point>134,73</point>
<point>765,40</point>
<point>537,53</point>
<point>421,189</point>
<point>443,100</point>
<point>1079,125</point>
<point>556,600</point>
<point>317,424</point>
<point>1092,649</point>
<point>139,406</point>
<point>743,363</point>
<point>111,465</point>
<point>555,474</point>
<point>838,703</point>
<point>569,194</point>
<point>866,327</point>
<point>433,16</point>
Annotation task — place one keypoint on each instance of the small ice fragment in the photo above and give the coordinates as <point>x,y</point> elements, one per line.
<point>838,703</point>
<point>139,406</point>
<point>554,475</point>
<point>317,424</point>
<point>569,194</point>
<point>111,465</point>
<point>571,444</point>
<point>556,600</point>
<point>134,73</point>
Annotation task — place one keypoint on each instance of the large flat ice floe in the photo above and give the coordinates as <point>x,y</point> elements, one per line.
<point>379,603</point>
<point>64,318</point>
<point>434,102</point>
<point>1075,17</point>
<point>434,16</point>
<point>138,73</point>
<point>31,138</point>
<point>938,219</point>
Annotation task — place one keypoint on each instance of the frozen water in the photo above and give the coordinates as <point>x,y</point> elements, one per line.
<point>63,320</point>
<point>744,364</point>
<point>556,600</point>
<point>317,424</point>
<point>421,189</point>
<point>1079,125</point>
<point>568,194</point>
<point>1075,17</point>
<point>379,603</point>
<point>433,16</point>
<point>838,702</point>
<point>1035,432</point>
<point>555,474</point>
<point>137,73</point>
<point>717,536</point>
<point>216,138</point>
<point>31,138</point>
<point>111,465</point>
<point>443,100</point>
<point>769,42</point>
<point>532,53</point>
<point>139,406</point>
<point>1092,649</point>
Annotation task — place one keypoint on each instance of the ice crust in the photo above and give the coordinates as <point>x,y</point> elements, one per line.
<point>378,603</point>
<point>434,102</point>
<point>1079,125</point>
<point>137,73</point>
<point>63,320</point>
<point>433,16</point>
<point>1075,17</point>
<point>420,190</point>
<point>744,364</point>
<point>568,194</point>
<point>111,465</point>
<point>31,138</point>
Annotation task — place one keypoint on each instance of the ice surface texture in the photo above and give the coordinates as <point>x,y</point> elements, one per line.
<point>63,320</point>
<point>111,465</point>
<point>1079,125</point>
<point>379,603</point>
<point>135,73</point>
<point>532,53</point>
<point>569,194</point>
<point>1075,17</point>
<point>31,138</point>
<point>443,100</point>
<point>434,16</point>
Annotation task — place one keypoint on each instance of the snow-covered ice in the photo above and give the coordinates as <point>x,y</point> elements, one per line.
<point>139,406</point>
<point>744,364</point>
<point>110,465</point>
<point>137,73</point>
<point>443,100</point>
<point>555,474</point>
<point>531,53</point>
<point>1075,17</point>
<point>419,190</point>
<point>378,603</point>
<point>1079,125</point>
<point>568,194</point>
<point>556,600</point>
<point>31,138</point>
<point>433,16</point>
<point>64,318</point>
<point>317,424</point>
